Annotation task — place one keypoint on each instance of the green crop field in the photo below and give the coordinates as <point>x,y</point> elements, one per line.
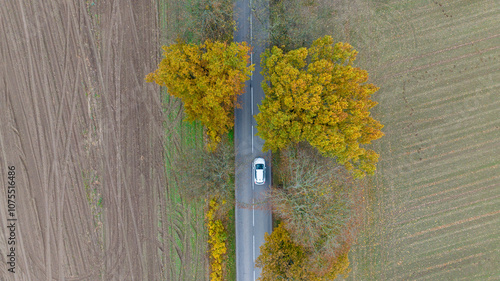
<point>434,210</point>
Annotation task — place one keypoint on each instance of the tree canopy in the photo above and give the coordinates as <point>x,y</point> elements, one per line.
<point>282,259</point>
<point>316,95</point>
<point>207,78</point>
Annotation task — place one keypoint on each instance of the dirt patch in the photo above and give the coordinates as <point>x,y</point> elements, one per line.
<point>85,134</point>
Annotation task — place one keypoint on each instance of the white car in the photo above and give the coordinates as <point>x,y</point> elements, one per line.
<point>259,171</point>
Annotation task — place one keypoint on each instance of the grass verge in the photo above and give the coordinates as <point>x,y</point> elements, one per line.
<point>183,227</point>
<point>230,259</point>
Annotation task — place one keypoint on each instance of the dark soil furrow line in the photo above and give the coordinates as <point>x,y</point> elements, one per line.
<point>453,136</point>
<point>472,42</point>
<point>455,119</point>
<point>461,206</point>
<point>455,246</point>
<point>452,189</point>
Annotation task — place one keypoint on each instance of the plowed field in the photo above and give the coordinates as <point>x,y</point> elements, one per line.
<point>435,205</point>
<point>86,136</point>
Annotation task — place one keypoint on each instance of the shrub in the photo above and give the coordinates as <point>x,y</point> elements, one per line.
<point>217,237</point>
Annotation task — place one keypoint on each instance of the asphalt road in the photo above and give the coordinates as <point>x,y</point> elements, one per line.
<point>253,217</point>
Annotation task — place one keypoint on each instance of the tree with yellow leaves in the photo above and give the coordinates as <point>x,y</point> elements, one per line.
<point>282,259</point>
<point>207,78</point>
<point>317,95</point>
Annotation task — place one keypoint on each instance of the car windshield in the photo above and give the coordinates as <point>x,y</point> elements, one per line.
<point>259,166</point>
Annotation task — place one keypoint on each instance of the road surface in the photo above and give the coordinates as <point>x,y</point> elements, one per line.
<point>251,221</point>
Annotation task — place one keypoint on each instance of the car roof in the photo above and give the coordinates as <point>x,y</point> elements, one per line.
<point>260,175</point>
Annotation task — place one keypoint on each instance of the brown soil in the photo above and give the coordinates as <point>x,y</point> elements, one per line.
<point>84,132</point>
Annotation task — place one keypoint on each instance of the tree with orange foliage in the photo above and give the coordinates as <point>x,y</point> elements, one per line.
<point>316,95</point>
<point>282,259</point>
<point>207,78</point>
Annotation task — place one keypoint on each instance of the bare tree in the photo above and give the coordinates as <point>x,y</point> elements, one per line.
<point>317,200</point>
<point>293,23</point>
<point>217,19</point>
<point>204,174</point>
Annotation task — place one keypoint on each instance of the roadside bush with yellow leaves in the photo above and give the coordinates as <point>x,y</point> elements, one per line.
<point>216,239</point>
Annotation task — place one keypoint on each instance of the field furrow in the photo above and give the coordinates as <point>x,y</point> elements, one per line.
<point>434,213</point>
